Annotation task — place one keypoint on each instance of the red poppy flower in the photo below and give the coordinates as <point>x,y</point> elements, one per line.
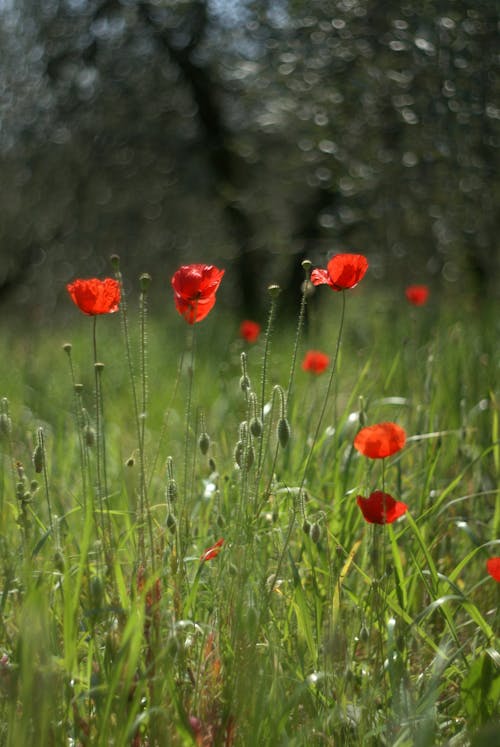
<point>315,361</point>
<point>417,294</point>
<point>249,330</point>
<point>381,508</point>
<point>95,296</point>
<point>195,287</point>
<point>493,568</point>
<point>342,272</point>
<point>380,441</point>
<point>212,552</point>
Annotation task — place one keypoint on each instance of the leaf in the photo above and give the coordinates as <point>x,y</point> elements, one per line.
<point>480,691</point>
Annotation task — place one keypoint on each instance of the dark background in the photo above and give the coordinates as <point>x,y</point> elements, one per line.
<point>249,135</point>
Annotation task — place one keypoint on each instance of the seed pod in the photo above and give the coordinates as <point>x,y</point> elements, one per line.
<point>283,431</point>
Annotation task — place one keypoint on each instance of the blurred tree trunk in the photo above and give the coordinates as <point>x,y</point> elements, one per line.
<point>228,169</point>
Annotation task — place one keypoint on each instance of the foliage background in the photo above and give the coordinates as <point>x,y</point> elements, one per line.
<point>250,134</point>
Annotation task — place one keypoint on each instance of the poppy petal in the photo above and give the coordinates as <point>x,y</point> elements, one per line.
<point>195,287</point>
<point>493,568</point>
<point>380,440</point>
<point>346,270</point>
<point>94,296</point>
<point>212,551</point>
<point>381,508</point>
<point>320,277</point>
<point>315,361</point>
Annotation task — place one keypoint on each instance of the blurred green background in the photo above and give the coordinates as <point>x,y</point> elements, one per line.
<point>249,135</point>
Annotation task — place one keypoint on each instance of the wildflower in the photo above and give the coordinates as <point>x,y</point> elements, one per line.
<point>195,287</point>
<point>315,361</point>
<point>249,330</point>
<point>381,508</point>
<point>380,440</point>
<point>342,272</point>
<point>493,568</point>
<point>212,552</point>
<point>417,294</point>
<point>95,296</point>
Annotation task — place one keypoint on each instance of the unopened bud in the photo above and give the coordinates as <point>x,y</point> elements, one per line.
<point>315,533</point>
<point>89,435</point>
<point>171,523</point>
<point>244,383</point>
<point>306,526</point>
<point>5,424</point>
<point>67,347</point>
<point>256,427</point>
<point>38,458</point>
<point>204,443</point>
<point>283,431</point>
<point>274,290</point>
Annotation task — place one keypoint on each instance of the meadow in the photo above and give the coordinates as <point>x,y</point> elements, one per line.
<point>191,553</point>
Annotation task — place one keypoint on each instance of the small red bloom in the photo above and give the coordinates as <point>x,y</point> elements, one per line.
<point>417,294</point>
<point>342,272</point>
<point>95,296</point>
<point>249,330</point>
<point>493,568</point>
<point>380,441</point>
<point>212,552</point>
<point>381,508</point>
<point>195,287</point>
<point>315,361</point>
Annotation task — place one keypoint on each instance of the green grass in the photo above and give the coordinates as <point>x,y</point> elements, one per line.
<point>111,629</point>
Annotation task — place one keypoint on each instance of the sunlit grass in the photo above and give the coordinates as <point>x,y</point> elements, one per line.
<point>309,626</point>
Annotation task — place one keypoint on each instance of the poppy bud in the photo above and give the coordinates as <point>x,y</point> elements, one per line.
<point>244,383</point>
<point>306,526</point>
<point>204,443</point>
<point>59,561</point>
<point>171,523</point>
<point>38,458</point>
<point>238,453</point>
<point>274,290</point>
<point>5,424</point>
<point>306,265</point>
<point>256,427</point>
<point>98,366</point>
<point>78,388</point>
<point>89,435</point>
<point>315,533</point>
<point>283,431</point>
<point>67,347</point>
